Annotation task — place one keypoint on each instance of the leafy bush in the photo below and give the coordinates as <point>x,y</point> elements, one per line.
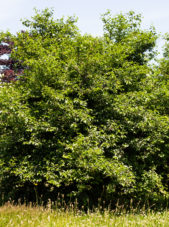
<point>88,117</point>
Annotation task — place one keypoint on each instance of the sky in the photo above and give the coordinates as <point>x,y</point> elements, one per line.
<point>89,12</point>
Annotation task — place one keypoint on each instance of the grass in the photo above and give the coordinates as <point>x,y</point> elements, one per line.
<point>29,216</point>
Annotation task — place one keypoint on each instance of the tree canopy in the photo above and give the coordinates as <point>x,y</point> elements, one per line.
<point>88,116</point>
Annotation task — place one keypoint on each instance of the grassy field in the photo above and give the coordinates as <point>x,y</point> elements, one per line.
<point>28,216</point>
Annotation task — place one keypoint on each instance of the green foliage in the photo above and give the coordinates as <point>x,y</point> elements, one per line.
<point>88,116</point>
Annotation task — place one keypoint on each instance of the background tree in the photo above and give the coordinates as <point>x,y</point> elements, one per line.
<point>9,69</point>
<point>6,63</point>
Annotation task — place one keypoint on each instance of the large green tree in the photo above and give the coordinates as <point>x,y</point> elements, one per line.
<point>88,116</point>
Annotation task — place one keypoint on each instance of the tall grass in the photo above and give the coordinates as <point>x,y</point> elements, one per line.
<point>38,216</point>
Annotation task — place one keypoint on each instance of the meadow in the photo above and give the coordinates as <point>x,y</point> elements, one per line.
<point>34,216</point>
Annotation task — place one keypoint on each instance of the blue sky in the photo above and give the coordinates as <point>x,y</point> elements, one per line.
<point>88,12</point>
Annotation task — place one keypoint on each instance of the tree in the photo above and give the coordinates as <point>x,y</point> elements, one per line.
<point>85,118</point>
<point>6,64</point>
<point>10,69</point>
